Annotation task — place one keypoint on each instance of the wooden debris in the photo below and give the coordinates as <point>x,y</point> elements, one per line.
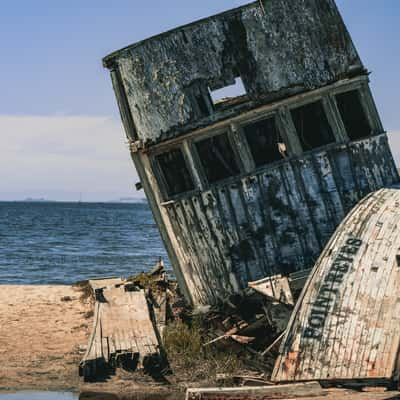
<point>374,389</point>
<point>304,391</point>
<point>244,380</point>
<point>276,287</point>
<point>123,333</point>
<point>273,344</point>
<point>257,392</point>
<point>159,305</point>
<point>157,294</point>
<point>252,321</point>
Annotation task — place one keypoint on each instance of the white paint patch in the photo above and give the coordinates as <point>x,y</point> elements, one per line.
<point>59,157</point>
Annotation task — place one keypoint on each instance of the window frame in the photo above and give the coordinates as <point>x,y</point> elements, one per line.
<point>274,114</point>
<point>367,103</point>
<point>329,114</point>
<point>197,159</point>
<point>159,174</point>
<point>233,127</point>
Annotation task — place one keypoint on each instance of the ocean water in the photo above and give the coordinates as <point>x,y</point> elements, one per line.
<point>62,243</point>
<point>39,396</point>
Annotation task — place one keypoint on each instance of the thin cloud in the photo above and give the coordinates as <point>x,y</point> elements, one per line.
<point>65,154</point>
<point>60,157</point>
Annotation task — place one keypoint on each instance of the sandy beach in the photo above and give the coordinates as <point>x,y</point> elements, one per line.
<point>43,332</point>
<point>41,329</point>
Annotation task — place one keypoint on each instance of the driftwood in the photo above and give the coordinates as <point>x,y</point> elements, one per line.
<point>261,392</point>
<point>305,391</point>
<point>244,380</point>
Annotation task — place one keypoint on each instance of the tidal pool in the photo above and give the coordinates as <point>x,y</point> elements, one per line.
<point>39,396</point>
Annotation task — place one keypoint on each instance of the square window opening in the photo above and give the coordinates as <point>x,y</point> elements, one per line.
<point>353,115</point>
<point>217,158</point>
<point>265,143</point>
<point>235,91</point>
<point>312,126</point>
<point>175,172</point>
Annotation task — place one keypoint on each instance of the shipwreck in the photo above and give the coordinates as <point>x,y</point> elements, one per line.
<point>268,171</point>
<point>251,186</point>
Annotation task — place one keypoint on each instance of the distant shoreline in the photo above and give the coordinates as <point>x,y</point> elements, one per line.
<point>136,201</point>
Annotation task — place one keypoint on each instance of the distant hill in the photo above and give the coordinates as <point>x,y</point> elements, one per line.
<point>33,200</point>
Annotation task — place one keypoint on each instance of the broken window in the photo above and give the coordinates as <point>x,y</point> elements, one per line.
<point>312,126</point>
<point>228,92</point>
<point>200,98</point>
<point>264,141</point>
<point>202,105</point>
<point>353,115</point>
<point>175,172</point>
<point>217,157</point>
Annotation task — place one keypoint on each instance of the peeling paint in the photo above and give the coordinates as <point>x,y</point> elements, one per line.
<point>345,324</point>
<point>260,220</point>
<point>295,46</point>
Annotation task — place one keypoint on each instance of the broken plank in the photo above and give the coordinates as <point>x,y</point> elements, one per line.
<point>122,328</point>
<point>257,392</point>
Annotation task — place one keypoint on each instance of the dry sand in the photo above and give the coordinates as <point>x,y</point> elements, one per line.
<point>41,329</point>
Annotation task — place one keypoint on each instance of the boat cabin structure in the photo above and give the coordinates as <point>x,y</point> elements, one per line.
<point>252,185</point>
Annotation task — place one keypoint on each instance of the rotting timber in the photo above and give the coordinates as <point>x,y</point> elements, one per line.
<point>123,333</point>
<point>253,186</point>
<point>345,327</point>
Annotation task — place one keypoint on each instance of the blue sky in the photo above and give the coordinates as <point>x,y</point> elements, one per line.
<point>58,117</point>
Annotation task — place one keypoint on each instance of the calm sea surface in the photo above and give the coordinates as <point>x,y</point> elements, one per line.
<point>61,243</point>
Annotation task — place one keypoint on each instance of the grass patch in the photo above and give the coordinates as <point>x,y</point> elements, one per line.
<point>190,359</point>
<point>87,294</point>
<point>143,280</point>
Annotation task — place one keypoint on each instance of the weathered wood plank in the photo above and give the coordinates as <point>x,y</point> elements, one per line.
<point>282,218</point>
<point>122,325</point>
<point>304,224</point>
<point>345,326</point>
<point>274,221</point>
<point>286,392</point>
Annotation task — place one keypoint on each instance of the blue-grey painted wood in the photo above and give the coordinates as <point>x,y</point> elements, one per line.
<point>292,47</point>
